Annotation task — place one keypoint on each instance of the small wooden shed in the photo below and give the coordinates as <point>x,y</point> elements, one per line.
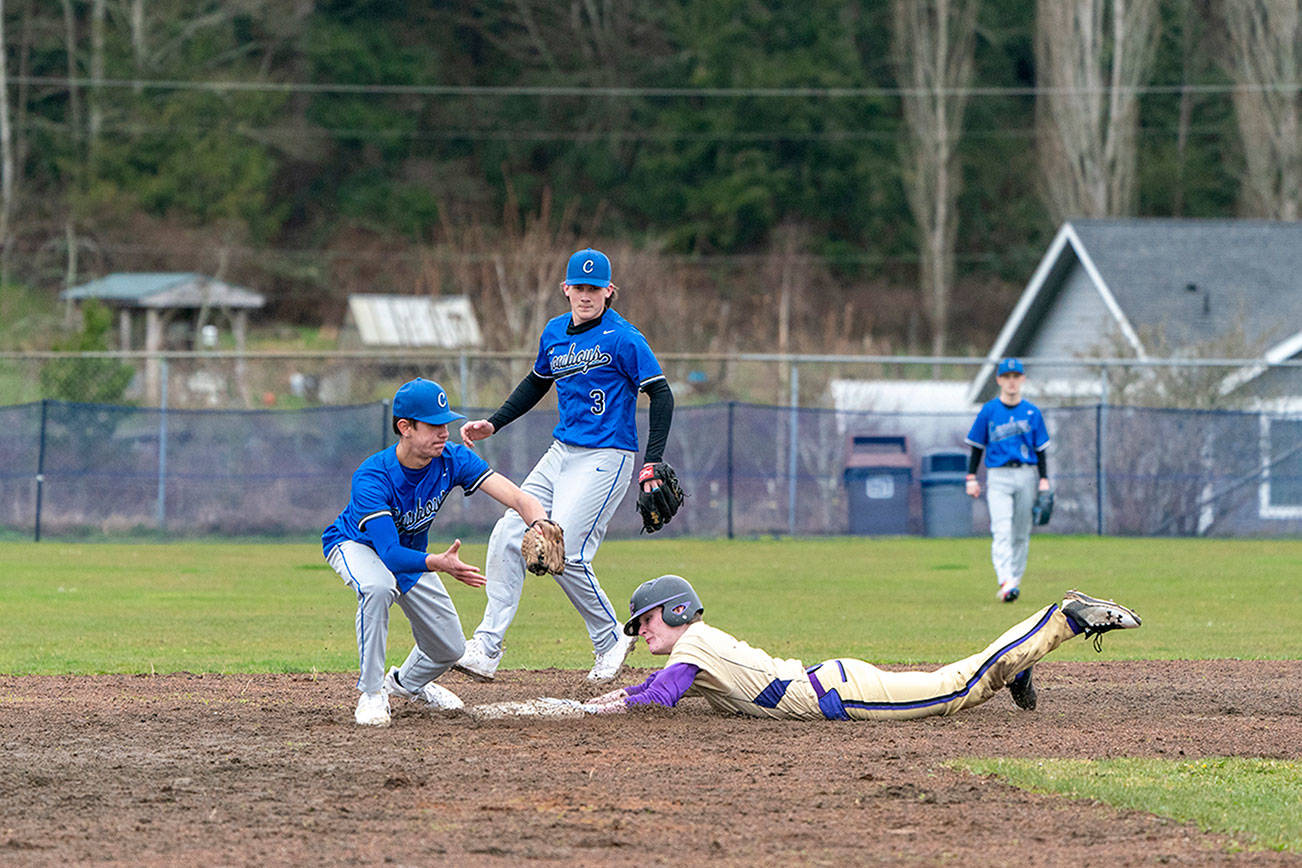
<point>163,297</point>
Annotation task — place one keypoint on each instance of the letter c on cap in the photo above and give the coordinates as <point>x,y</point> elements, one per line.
<point>588,265</point>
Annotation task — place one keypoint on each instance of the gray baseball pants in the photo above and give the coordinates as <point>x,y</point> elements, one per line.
<point>580,489</point>
<point>1010,494</point>
<point>429,609</point>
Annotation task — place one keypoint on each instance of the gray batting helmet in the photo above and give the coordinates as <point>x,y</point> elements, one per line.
<point>673,595</point>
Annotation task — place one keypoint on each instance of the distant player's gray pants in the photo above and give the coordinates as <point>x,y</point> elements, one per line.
<point>1010,494</point>
<point>434,621</point>
<point>580,489</point>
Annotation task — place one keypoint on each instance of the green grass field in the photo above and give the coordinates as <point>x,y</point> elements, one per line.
<point>265,607</point>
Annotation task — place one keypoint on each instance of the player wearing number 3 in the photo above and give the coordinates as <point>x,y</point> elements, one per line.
<point>598,362</point>
<point>1013,435</point>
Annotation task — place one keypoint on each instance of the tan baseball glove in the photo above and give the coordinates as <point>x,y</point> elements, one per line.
<point>543,548</point>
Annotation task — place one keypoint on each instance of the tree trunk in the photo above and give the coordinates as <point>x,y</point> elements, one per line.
<point>96,94</point>
<point>1265,44</point>
<point>6,155</point>
<point>1091,57</point>
<point>933,49</point>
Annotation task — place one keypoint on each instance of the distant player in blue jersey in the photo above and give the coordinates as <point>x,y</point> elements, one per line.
<point>598,362</point>
<point>1011,432</point>
<point>377,545</point>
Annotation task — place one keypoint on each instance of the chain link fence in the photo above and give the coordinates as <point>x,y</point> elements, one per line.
<point>277,460</point>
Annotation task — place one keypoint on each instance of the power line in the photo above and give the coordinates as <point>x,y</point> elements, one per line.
<point>624,92</point>
<point>624,134</point>
<point>476,257</point>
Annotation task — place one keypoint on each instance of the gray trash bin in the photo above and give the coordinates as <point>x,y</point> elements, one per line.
<point>878,475</point>
<point>946,508</point>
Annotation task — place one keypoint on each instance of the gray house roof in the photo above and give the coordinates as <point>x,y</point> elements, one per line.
<point>165,290</point>
<point>1190,280</point>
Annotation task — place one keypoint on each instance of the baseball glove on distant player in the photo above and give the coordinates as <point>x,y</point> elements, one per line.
<point>660,504</point>
<point>1042,511</point>
<point>543,548</point>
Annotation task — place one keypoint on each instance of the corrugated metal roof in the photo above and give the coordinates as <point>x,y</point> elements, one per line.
<point>165,289</point>
<point>415,321</point>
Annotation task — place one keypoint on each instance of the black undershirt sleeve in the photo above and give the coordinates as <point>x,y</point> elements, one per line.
<point>520,401</point>
<point>974,460</point>
<point>661,414</point>
<point>1042,463</point>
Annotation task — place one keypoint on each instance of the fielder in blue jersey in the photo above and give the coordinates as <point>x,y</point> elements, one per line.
<point>1011,432</point>
<point>377,545</point>
<point>598,363</point>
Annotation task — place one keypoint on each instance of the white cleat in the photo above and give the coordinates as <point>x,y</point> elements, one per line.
<point>1096,617</point>
<point>372,709</point>
<point>435,696</point>
<point>609,663</point>
<point>439,698</point>
<point>478,663</point>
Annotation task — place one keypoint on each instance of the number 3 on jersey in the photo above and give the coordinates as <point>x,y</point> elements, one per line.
<point>598,401</point>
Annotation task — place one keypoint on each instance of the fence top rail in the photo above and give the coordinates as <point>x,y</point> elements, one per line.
<point>407,355</point>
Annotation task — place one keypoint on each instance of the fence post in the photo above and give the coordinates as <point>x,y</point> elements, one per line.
<point>161,516</point>
<point>1100,420</point>
<point>731,404</point>
<point>384,424</point>
<point>464,373</point>
<point>40,469</point>
<point>792,452</point>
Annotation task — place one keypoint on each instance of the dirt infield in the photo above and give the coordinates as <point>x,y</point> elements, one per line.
<point>269,769</point>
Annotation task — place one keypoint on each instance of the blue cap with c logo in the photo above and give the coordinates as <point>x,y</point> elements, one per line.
<point>425,401</point>
<point>1010,366</point>
<point>588,266</point>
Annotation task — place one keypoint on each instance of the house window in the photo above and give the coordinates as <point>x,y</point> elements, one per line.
<point>1281,488</point>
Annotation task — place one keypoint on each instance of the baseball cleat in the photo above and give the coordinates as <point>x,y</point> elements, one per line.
<point>476,662</point>
<point>611,661</point>
<point>1094,617</point>
<point>372,709</point>
<point>437,697</point>
<point>1023,690</point>
<point>1007,593</point>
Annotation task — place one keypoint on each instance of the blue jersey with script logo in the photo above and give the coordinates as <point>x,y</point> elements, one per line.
<point>1009,433</point>
<point>382,486</point>
<point>598,373</point>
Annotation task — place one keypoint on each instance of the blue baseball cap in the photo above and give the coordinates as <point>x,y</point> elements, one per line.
<point>425,401</point>
<point>588,266</point>
<point>1010,366</point>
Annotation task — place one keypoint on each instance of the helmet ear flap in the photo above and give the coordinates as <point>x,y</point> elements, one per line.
<point>672,595</point>
<point>675,613</point>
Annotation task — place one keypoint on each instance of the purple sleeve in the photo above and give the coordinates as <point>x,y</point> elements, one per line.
<point>665,687</point>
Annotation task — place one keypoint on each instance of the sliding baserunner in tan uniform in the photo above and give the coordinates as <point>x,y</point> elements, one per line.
<point>738,679</point>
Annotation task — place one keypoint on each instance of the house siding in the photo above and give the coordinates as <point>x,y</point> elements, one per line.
<point>1077,322</point>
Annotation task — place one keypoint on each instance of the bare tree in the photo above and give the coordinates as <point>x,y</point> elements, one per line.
<point>933,52</point>
<point>6,155</point>
<point>1091,56</point>
<point>1265,42</point>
